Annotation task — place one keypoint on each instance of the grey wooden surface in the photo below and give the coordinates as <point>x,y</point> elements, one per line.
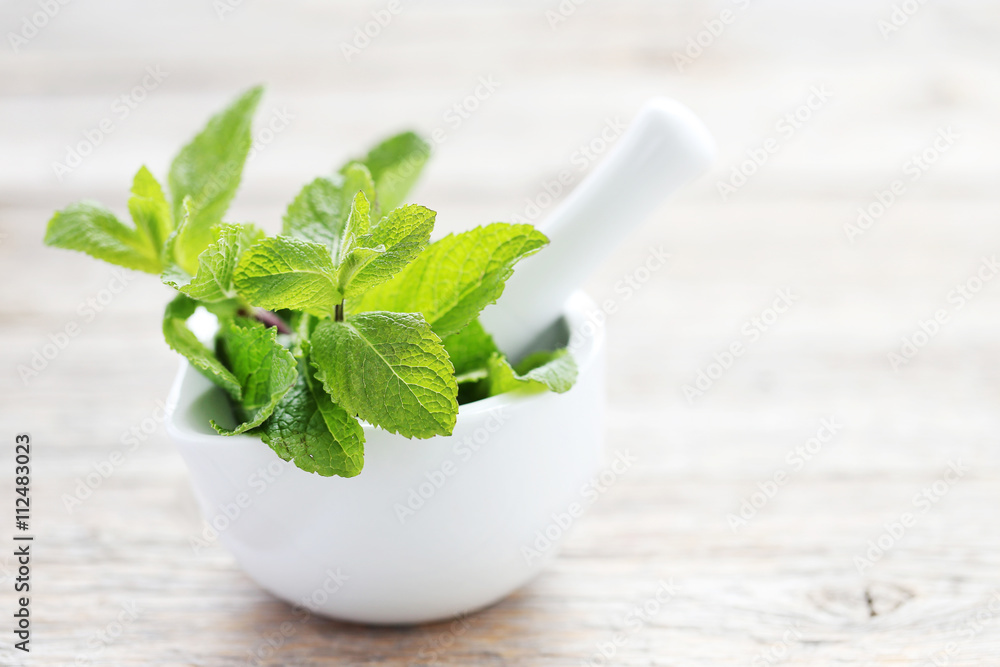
<point>783,589</point>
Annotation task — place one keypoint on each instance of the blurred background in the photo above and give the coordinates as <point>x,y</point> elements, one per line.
<point>856,184</point>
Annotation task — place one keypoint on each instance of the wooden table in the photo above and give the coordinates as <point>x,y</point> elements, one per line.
<point>811,425</point>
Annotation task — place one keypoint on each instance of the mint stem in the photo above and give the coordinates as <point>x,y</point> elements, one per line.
<point>338,312</point>
<point>271,320</point>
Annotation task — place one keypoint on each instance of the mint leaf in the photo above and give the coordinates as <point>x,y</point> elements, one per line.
<point>214,280</point>
<point>356,261</point>
<point>404,233</point>
<point>208,170</point>
<point>320,211</point>
<point>173,251</point>
<point>181,339</point>
<point>358,223</point>
<point>390,370</point>
<point>283,272</point>
<point>483,371</point>
<point>395,164</point>
<point>370,258</point>
<point>316,214</point>
<point>470,349</point>
<point>317,434</point>
<point>150,210</point>
<point>455,277</point>
<point>540,371</point>
<point>302,324</point>
<point>264,369</point>
<point>93,229</point>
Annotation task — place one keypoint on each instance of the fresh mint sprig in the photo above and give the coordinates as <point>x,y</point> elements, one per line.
<point>349,314</point>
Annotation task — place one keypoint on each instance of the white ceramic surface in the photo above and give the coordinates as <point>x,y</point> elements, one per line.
<point>665,147</point>
<point>510,472</point>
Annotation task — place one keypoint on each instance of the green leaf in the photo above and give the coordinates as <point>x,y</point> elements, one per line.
<point>403,234</point>
<point>320,211</point>
<point>264,369</point>
<point>173,251</point>
<point>455,277</point>
<point>93,229</point>
<point>302,324</point>
<point>370,258</point>
<point>470,349</point>
<point>540,371</point>
<point>395,164</point>
<point>214,280</point>
<point>348,281</point>
<point>390,370</point>
<point>317,434</point>
<point>181,339</point>
<point>150,210</point>
<point>283,272</point>
<point>208,170</point>
<point>358,223</point>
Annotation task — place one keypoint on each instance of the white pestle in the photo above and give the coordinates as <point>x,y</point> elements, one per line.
<point>665,147</point>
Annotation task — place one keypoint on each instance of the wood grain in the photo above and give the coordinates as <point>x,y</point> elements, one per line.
<point>783,589</point>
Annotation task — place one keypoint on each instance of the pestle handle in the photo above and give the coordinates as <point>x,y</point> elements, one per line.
<point>665,147</point>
